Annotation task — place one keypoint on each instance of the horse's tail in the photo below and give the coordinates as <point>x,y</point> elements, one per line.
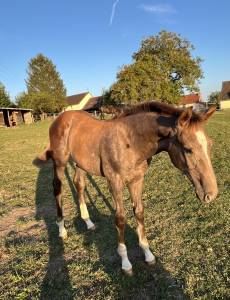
<point>43,158</point>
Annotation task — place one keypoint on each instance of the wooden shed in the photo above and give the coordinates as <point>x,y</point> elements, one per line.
<point>14,116</point>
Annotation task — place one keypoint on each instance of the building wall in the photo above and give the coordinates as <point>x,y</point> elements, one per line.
<point>225,104</point>
<point>2,122</point>
<point>18,117</point>
<point>28,117</point>
<point>81,104</point>
<point>187,105</point>
<point>199,106</point>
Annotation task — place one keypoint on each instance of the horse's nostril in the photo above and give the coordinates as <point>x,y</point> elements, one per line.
<point>208,198</point>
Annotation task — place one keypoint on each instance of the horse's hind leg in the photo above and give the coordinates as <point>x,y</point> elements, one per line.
<point>57,185</point>
<point>79,182</point>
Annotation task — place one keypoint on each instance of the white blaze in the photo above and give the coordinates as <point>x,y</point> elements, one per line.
<point>203,142</point>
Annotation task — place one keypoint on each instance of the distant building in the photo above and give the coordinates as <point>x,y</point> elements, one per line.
<point>84,101</point>
<point>14,116</point>
<point>193,100</point>
<point>225,95</point>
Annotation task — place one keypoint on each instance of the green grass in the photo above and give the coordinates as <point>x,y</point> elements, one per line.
<point>190,240</point>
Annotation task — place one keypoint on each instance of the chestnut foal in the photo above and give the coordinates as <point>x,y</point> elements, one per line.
<point>121,150</point>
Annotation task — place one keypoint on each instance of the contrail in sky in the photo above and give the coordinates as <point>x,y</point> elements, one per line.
<point>113,12</point>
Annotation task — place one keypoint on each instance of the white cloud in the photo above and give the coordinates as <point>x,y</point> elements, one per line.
<point>113,12</point>
<point>158,8</point>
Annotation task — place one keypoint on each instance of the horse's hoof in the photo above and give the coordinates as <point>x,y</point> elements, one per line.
<point>92,228</point>
<point>151,262</point>
<point>90,225</point>
<point>128,272</point>
<point>63,235</point>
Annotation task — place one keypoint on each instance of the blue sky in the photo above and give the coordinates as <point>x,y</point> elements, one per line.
<point>89,40</point>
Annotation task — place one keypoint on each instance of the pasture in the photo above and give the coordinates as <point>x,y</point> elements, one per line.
<point>189,239</point>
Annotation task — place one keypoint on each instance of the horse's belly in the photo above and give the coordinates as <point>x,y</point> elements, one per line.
<point>89,163</point>
<point>84,145</point>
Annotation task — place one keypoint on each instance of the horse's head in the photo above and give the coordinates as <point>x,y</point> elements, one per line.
<point>189,150</point>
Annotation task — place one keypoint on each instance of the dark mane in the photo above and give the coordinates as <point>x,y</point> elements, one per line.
<point>151,106</point>
<point>158,107</point>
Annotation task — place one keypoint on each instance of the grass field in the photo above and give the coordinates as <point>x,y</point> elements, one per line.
<point>190,240</point>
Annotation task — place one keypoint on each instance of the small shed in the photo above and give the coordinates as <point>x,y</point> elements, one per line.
<point>10,116</point>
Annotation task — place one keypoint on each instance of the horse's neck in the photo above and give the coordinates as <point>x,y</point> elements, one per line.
<point>150,132</point>
<point>143,134</point>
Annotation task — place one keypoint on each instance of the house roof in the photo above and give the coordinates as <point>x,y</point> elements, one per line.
<point>225,92</point>
<point>76,99</point>
<point>93,103</point>
<point>190,99</point>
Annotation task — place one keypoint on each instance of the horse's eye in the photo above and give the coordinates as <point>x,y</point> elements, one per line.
<point>187,150</point>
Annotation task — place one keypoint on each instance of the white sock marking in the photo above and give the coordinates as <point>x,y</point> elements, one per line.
<point>149,257</point>
<point>84,211</point>
<point>126,265</point>
<point>62,230</point>
<point>89,224</point>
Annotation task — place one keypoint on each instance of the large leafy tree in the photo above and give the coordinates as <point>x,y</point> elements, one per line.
<point>45,89</point>
<point>163,69</point>
<point>4,97</point>
<point>24,100</point>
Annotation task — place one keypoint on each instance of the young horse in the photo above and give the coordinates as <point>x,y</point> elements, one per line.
<point>121,150</point>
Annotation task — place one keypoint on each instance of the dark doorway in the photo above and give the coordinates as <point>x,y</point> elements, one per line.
<point>6,117</point>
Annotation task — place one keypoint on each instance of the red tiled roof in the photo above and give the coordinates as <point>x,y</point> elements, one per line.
<point>190,99</point>
<point>76,99</point>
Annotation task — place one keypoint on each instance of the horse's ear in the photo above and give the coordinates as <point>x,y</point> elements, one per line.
<point>206,115</point>
<point>184,117</point>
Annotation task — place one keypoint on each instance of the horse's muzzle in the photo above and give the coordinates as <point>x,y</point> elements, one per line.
<point>210,197</point>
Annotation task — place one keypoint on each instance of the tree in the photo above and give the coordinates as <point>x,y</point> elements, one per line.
<point>163,68</point>
<point>23,100</point>
<point>45,89</point>
<point>4,97</point>
<point>214,98</point>
<point>106,99</point>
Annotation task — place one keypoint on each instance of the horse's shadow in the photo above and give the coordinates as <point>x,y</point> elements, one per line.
<point>158,283</point>
<point>56,282</point>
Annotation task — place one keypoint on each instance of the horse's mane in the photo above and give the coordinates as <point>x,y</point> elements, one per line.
<point>151,106</point>
<point>155,106</point>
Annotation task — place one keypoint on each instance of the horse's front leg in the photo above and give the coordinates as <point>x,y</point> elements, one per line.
<point>135,189</point>
<point>116,188</point>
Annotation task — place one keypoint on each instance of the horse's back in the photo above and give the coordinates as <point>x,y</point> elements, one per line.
<point>78,134</point>
<point>69,119</point>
